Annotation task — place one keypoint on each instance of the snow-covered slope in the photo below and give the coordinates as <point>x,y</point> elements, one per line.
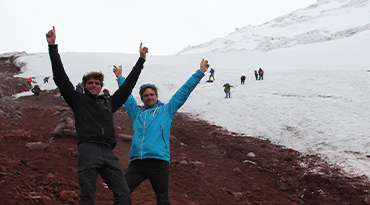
<point>326,20</point>
<point>314,97</point>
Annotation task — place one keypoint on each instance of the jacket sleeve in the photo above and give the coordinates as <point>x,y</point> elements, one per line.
<point>60,77</point>
<point>125,89</point>
<point>183,93</point>
<point>130,105</point>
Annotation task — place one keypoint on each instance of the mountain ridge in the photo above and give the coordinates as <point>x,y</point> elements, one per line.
<point>314,24</point>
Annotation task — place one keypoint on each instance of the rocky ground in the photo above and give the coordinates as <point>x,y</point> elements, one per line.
<point>209,164</point>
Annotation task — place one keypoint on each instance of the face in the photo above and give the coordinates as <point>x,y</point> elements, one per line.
<point>93,86</point>
<point>149,98</point>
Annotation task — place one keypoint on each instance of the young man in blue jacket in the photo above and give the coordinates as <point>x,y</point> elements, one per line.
<point>93,115</point>
<point>150,146</point>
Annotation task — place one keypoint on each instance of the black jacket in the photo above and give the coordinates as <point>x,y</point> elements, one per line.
<point>93,115</point>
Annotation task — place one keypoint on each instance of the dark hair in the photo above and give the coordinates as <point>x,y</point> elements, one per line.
<point>94,75</point>
<point>142,90</point>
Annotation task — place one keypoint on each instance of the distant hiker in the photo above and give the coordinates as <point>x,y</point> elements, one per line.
<point>106,92</point>
<point>36,91</point>
<point>256,74</point>
<point>212,71</point>
<point>150,146</point>
<point>242,79</point>
<point>260,72</point>
<point>46,79</point>
<point>227,87</point>
<point>93,115</point>
<point>79,88</point>
<point>29,81</point>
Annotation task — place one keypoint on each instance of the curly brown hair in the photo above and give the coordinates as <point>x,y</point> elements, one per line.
<point>94,75</point>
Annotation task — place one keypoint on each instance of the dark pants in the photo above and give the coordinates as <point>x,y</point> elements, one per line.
<point>211,76</point>
<point>157,171</point>
<point>261,77</point>
<point>36,96</point>
<point>94,159</point>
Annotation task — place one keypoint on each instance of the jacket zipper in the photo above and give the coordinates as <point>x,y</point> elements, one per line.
<point>142,140</point>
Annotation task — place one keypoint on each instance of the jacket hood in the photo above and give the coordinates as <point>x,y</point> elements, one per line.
<point>159,103</point>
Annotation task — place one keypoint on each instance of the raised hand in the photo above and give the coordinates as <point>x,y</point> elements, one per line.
<point>143,51</point>
<point>204,65</point>
<point>51,36</point>
<point>118,71</point>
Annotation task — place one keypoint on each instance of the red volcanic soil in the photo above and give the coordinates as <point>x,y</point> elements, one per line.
<point>209,165</point>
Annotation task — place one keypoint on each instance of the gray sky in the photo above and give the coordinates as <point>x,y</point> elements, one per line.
<point>164,26</point>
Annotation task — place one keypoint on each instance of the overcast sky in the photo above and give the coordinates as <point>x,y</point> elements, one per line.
<point>164,26</point>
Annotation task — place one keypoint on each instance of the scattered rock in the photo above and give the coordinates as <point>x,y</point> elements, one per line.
<point>249,161</point>
<point>199,164</point>
<point>124,137</point>
<point>36,145</point>
<point>184,162</point>
<point>251,154</point>
<point>173,139</point>
<point>14,114</point>
<point>237,170</point>
<point>50,175</point>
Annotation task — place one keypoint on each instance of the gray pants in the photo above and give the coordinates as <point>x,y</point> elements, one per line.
<point>94,159</point>
<point>227,92</point>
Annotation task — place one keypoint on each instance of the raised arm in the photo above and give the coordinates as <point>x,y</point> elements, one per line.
<point>124,91</point>
<point>60,77</point>
<point>180,97</point>
<point>118,70</point>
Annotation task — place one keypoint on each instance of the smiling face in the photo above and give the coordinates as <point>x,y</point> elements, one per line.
<point>149,98</point>
<point>94,86</point>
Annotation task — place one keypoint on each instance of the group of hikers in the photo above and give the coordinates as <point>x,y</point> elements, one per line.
<point>150,146</point>
<point>96,139</point>
<point>227,86</point>
<point>36,90</point>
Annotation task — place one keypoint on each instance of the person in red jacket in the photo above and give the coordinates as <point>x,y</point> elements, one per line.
<point>29,81</point>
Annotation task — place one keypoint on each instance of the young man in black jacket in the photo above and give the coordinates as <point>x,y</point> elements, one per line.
<point>94,125</point>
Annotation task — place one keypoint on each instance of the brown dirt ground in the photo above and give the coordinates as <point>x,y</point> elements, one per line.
<point>276,175</point>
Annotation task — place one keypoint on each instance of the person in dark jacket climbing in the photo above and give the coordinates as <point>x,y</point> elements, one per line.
<point>242,79</point>
<point>36,91</point>
<point>94,125</point>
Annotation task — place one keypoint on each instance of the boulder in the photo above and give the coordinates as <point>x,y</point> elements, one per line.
<point>66,125</point>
